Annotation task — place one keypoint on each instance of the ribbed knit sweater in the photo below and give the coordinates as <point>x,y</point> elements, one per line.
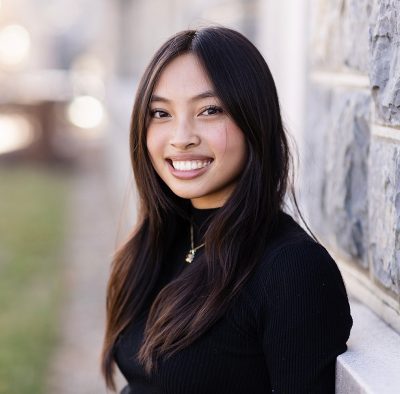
<point>281,334</point>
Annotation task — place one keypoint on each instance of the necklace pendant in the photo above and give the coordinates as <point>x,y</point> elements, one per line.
<point>190,256</point>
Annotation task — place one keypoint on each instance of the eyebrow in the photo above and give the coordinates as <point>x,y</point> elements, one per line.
<point>206,94</point>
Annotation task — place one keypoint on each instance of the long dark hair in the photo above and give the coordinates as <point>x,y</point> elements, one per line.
<point>197,298</point>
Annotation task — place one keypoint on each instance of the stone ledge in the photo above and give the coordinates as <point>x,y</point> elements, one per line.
<point>386,132</point>
<point>372,363</point>
<point>340,79</point>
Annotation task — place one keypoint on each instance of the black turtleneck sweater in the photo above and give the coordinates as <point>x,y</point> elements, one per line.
<point>282,334</point>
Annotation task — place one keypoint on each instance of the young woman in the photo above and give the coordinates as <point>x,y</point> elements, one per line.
<point>218,290</point>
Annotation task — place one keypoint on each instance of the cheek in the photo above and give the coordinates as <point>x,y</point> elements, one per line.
<point>155,153</point>
<point>219,143</point>
<point>235,144</point>
<point>221,139</point>
<point>154,145</point>
<point>241,146</point>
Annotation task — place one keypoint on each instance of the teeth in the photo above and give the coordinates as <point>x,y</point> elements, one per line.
<point>190,164</point>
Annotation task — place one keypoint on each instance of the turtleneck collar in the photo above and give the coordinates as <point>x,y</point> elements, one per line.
<point>201,218</point>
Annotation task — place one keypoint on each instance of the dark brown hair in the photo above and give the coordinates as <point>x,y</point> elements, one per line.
<point>191,303</point>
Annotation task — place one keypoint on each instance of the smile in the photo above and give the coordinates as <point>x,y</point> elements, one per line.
<point>189,165</point>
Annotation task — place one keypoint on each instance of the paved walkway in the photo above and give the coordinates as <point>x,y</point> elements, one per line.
<point>90,242</point>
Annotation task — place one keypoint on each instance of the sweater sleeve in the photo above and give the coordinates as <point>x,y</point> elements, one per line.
<point>305,319</point>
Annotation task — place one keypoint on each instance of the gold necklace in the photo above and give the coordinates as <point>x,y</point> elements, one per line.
<point>192,251</point>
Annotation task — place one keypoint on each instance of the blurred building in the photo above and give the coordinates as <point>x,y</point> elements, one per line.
<point>54,61</point>
<point>147,24</point>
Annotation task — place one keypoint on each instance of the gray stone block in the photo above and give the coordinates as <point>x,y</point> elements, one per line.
<point>336,164</point>
<point>347,172</point>
<point>384,212</point>
<point>385,62</point>
<point>340,31</point>
<point>312,160</point>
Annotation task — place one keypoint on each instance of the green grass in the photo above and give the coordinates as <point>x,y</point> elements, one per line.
<point>32,222</point>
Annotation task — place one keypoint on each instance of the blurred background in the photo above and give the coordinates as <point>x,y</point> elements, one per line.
<point>68,74</point>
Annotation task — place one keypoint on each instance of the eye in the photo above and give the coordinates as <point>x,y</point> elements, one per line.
<point>158,114</point>
<point>212,110</point>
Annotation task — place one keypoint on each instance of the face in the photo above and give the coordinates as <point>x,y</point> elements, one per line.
<point>195,147</point>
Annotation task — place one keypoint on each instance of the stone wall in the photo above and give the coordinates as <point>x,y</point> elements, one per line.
<point>351,175</point>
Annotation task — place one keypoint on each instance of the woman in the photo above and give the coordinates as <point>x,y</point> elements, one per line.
<point>218,290</point>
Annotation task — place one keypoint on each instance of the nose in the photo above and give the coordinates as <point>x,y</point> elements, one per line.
<point>184,136</point>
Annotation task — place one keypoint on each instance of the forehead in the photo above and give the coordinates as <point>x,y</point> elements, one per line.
<point>183,76</point>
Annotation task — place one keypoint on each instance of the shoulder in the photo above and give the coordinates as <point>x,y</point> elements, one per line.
<point>294,263</point>
<point>290,247</point>
<point>287,233</point>
<point>300,310</point>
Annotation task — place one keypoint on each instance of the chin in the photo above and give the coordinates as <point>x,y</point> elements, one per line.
<point>186,194</point>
